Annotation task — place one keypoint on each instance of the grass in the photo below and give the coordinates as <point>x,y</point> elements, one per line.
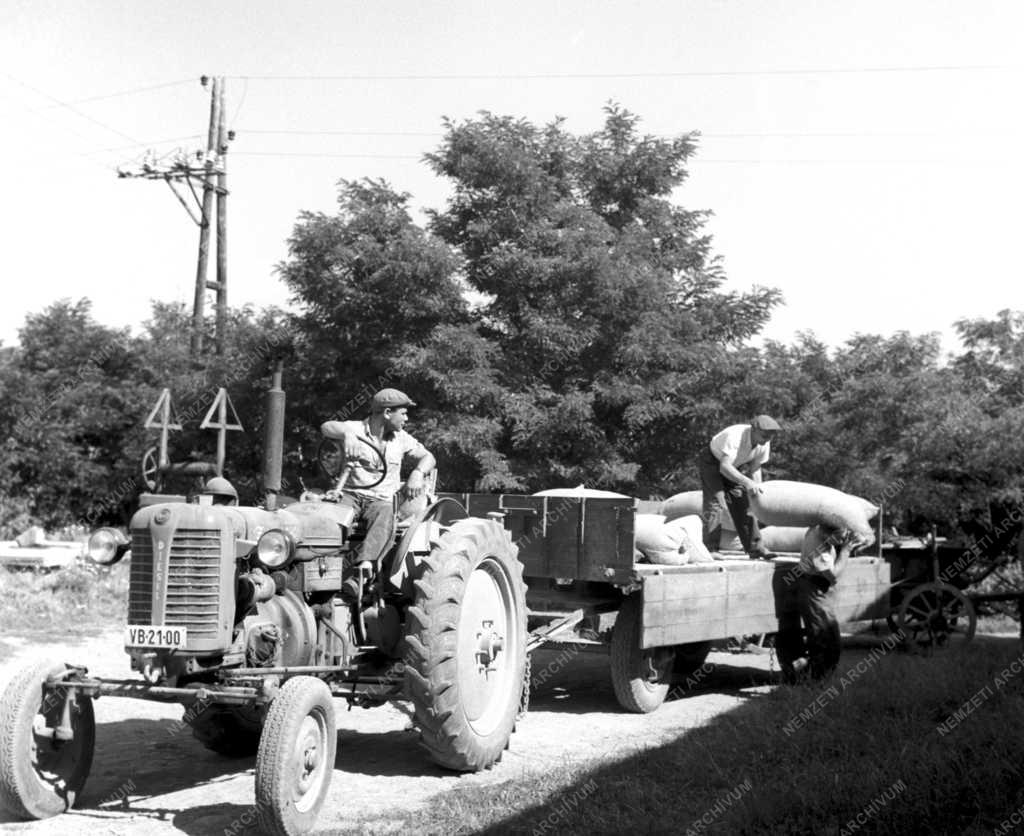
<point>82,599</point>
<point>869,747</point>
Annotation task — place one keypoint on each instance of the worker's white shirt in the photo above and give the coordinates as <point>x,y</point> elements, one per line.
<point>734,442</point>
<point>818,553</point>
<point>367,469</point>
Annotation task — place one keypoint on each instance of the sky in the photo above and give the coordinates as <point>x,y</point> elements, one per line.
<point>861,157</point>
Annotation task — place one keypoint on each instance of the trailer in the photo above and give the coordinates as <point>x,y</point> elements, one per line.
<point>587,588</point>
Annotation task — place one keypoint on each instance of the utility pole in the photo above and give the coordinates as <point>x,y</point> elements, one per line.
<point>209,183</point>
<point>213,176</point>
<point>222,221</point>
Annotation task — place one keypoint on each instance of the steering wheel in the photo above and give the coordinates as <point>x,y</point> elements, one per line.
<point>151,476</point>
<point>330,455</point>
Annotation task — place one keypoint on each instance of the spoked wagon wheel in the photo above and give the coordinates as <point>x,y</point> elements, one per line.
<point>296,757</point>
<point>641,678</point>
<point>466,645</point>
<point>936,615</point>
<point>43,768</point>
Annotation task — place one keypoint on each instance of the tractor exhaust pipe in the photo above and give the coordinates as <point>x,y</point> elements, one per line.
<point>273,439</point>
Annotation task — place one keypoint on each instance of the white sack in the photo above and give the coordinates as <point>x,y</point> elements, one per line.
<point>688,503</point>
<point>682,505</point>
<point>783,538</point>
<point>692,540</point>
<point>802,504</point>
<point>658,542</point>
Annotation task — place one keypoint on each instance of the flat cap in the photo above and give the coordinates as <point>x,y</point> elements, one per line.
<point>390,399</point>
<point>765,422</point>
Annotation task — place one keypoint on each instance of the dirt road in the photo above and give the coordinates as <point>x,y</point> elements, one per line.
<point>151,776</point>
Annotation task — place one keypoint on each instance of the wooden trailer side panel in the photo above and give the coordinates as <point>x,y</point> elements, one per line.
<point>584,538</point>
<point>714,601</point>
<point>707,601</point>
<point>863,590</point>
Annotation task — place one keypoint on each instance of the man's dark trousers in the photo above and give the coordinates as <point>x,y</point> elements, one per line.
<point>379,515</point>
<point>816,609</point>
<point>721,493</point>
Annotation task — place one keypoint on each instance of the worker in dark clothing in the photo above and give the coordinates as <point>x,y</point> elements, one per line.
<point>814,650</point>
<point>730,469</point>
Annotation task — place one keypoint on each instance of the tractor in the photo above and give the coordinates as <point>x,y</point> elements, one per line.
<point>255,619</point>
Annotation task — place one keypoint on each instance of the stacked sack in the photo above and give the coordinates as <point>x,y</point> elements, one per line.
<point>785,510</point>
<point>670,542</point>
<point>787,503</point>
<point>690,503</point>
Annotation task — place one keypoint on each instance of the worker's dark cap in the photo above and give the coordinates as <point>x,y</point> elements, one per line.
<point>390,399</point>
<point>219,486</point>
<point>765,423</point>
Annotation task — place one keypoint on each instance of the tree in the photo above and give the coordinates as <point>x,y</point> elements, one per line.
<point>602,332</point>
<point>68,395</point>
<point>371,286</point>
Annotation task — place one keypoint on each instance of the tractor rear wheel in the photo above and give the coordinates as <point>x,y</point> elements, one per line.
<point>640,677</point>
<point>40,774</point>
<point>296,757</point>
<point>466,645</point>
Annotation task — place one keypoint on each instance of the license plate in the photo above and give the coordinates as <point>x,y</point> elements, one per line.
<point>155,637</point>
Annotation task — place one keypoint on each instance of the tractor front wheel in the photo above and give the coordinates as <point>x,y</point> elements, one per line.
<point>47,737</point>
<point>296,757</point>
<point>466,645</point>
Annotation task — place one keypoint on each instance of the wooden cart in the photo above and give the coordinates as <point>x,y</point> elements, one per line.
<point>586,588</point>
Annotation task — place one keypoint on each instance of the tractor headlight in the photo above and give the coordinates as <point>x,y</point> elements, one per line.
<point>106,546</point>
<point>275,549</point>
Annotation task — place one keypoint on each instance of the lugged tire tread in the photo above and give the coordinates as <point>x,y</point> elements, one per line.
<point>431,663</point>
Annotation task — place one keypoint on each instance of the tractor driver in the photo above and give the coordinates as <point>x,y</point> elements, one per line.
<point>383,428</point>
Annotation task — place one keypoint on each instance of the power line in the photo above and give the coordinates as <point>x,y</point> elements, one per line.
<point>67,105</point>
<point>147,144</point>
<point>316,154</point>
<point>683,74</point>
<point>696,160</point>
<point>133,91</point>
<point>702,134</point>
<point>292,132</point>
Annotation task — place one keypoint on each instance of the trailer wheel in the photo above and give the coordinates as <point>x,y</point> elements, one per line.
<point>466,646</point>
<point>40,775</point>
<point>296,757</point>
<point>231,731</point>
<point>936,616</point>
<point>640,677</point>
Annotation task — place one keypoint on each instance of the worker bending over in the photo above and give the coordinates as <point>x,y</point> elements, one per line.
<point>730,469</point>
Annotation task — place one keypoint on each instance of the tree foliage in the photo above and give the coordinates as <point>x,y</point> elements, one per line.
<point>561,319</point>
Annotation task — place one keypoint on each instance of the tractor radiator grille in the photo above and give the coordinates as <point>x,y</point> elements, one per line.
<point>192,594</point>
<point>140,578</point>
<point>193,582</point>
